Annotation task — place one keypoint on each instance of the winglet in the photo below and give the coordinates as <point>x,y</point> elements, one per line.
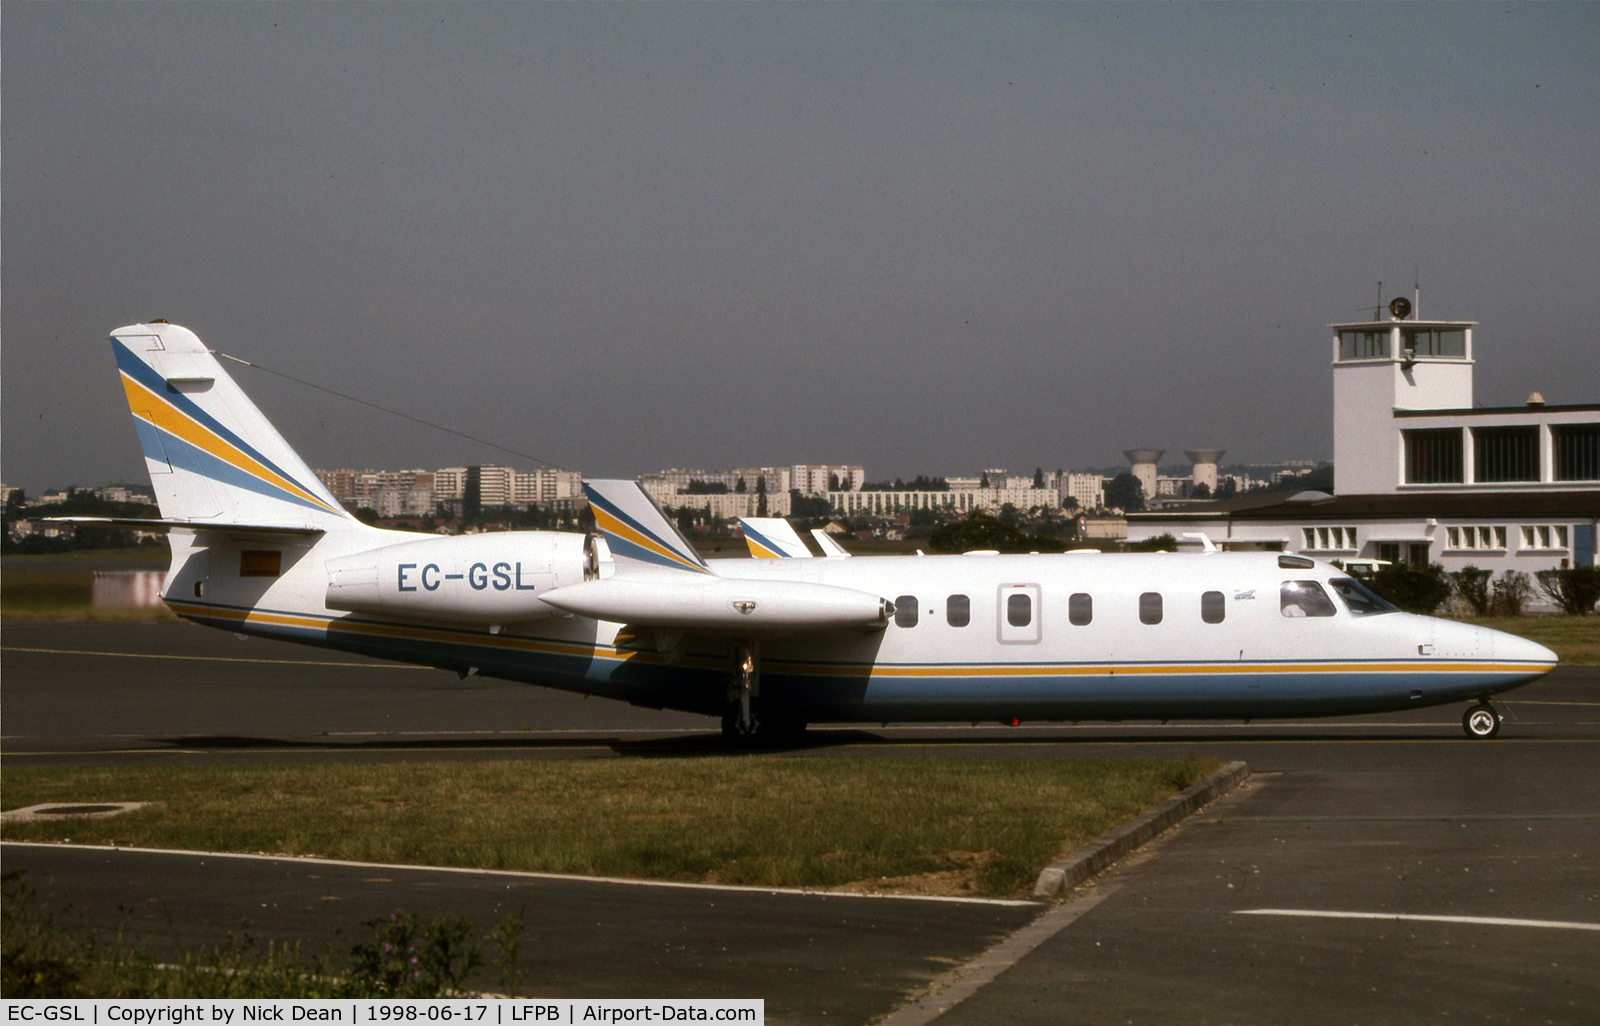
<point>636,529</point>
<point>772,538</point>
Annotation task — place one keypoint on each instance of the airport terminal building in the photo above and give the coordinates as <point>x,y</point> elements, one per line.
<point>1421,474</point>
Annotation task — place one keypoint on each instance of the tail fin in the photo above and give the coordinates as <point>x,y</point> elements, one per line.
<point>635,528</point>
<point>772,538</point>
<point>829,547</point>
<point>213,458</point>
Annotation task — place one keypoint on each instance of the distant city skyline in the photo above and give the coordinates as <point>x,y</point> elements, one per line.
<point>142,481</point>
<point>916,237</point>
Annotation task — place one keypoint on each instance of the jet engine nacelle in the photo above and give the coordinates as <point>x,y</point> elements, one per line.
<point>481,578</point>
<point>723,604</point>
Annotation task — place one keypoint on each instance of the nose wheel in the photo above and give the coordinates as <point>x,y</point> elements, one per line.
<point>1481,721</point>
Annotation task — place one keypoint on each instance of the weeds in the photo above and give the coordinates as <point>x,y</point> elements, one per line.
<point>44,958</point>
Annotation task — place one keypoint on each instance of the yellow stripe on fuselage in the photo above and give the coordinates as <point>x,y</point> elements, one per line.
<point>856,670</point>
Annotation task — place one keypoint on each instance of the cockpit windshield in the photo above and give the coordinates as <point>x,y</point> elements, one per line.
<point>1359,599</point>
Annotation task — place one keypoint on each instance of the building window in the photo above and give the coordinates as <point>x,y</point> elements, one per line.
<point>1363,345</point>
<point>1150,607</point>
<point>958,610</point>
<point>1434,342</point>
<point>1328,538</point>
<point>1476,537</point>
<point>905,611</point>
<point>1213,608</point>
<point>1080,610</point>
<point>1577,451</point>
<point>1433,456</point>
<point>1505,454</point>
<point>1545,536</point>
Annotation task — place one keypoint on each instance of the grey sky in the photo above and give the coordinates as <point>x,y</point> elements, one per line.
<point>923,238</point>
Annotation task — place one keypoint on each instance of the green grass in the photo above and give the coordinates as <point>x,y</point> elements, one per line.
<point>908,824</point>
<point>59,586</point>
<point>62,594</point>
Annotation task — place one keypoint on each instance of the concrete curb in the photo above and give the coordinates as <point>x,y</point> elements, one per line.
<point>1095,857</point>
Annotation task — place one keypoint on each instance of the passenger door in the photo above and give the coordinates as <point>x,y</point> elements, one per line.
<point>1019,614</point>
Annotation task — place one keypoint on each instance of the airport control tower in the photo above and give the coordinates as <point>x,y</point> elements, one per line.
<point>1383,366</point>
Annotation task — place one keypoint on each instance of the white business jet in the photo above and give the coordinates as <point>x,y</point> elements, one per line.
<point>633,613</point>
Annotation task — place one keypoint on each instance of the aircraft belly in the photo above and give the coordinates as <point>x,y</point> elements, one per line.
<point>1088,692</point>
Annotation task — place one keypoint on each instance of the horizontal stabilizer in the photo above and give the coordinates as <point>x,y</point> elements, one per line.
<point>772,538</point>
<point>164,525</point>
<point>723,604</point>
<point>635,528</point>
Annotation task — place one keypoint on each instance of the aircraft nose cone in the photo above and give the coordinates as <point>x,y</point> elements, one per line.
<point>1512,648</point>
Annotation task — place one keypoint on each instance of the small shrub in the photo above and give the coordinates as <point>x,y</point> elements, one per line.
<point>1471,585</point>
<point>404,960</point>
<point>1416,589</point>
<point>36,959</point>
<point>1575,591</point>
<point>1511,593</point>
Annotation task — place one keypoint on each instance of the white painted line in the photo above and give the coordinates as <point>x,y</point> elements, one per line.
<point>521,875</point>
<point>69,810</point>
<point>1544,924</point>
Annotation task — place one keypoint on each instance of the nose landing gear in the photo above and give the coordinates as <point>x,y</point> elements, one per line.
<point>1481,721</point>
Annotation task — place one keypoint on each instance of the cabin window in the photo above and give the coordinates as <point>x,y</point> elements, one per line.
<point>958,610</point>
<point>1360,600</point>
<point>1213,608</point>
<point>1080,609</point>
<point>1019,609</point>
<point>1305,598</point>
<point>905,611</point>
<point>1150,607</point>
<point>260,563</point>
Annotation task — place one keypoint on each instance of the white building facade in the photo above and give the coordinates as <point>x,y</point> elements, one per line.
<point>1421,474</point>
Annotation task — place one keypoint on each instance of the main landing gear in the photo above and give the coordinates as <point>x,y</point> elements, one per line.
<point>1481,721</point>
<point>744,688</point>
<point>745,721</point>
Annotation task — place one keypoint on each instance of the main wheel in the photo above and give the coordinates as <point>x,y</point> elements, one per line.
<point>1481,721</point>
<point>763,730</point>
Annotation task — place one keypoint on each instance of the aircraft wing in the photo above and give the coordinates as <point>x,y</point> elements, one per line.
<point>772,538</point>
